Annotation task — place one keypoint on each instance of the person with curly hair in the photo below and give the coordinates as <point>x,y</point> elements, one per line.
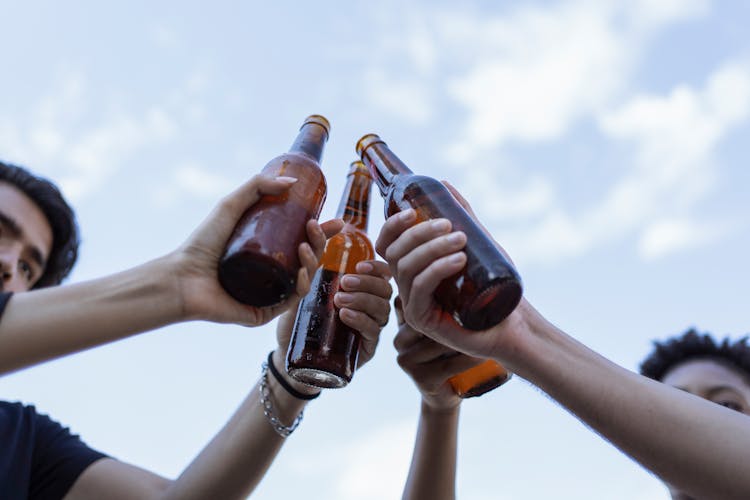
<point>700,448</point>
<point>39,457</point>
<point>718,371</point>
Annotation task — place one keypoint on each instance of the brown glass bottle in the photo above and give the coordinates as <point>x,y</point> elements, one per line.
<point>485,291</point>
<point>260,264</point>
<point>323,351</point>
<point>488,288</point>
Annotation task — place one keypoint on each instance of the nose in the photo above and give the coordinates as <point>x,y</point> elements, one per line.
<point>9,258</point>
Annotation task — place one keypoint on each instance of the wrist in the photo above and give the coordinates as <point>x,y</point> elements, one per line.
<point>429,408</point>
<point>528,338</point>
<point>176,273</point>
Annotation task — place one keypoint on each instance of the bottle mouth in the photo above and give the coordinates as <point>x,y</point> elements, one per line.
<point>358,167</point>
<point>319,120</point>
<point>366,141</point>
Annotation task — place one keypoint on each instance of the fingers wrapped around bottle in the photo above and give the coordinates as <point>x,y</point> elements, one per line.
<point>311,251</point>
<point>364,303</point>
<point>420,256</point>
<point>429,363</point>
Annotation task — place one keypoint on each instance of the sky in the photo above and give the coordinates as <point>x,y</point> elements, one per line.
<point>602,142</point>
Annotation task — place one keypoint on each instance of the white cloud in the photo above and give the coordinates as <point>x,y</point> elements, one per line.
<point>399,73</point>
<point>99,152</point>
<point>680,129</point>
<point>532,73</point>
<point>81,141</point>
<point>405,97</point>
<point>193,181</point>
<point>661,238</point>
<point>542,69</point>
<point>674,138</point>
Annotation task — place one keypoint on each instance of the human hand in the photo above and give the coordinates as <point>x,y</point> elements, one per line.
<point>196,262</point>
<point>420,256</point>
<point>363,304</point>
<point>430,364</point>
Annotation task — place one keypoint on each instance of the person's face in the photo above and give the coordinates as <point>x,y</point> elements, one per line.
<point>713,381</point>
<point>25,240</point>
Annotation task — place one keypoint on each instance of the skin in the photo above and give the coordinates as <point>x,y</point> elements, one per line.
<point>701,448</point>
<point>25,239</point>
<point>43,324</point>
<point>432,473</point>
<point>712,380</point>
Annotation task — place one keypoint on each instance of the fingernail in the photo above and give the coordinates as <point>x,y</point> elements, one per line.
<point>288,180</point>
<point>407,215</point>
<point>344,298</point>
<point>456,237</point>
<point>351,281</point>
<point>441,225</point>
<point>456,258</point>
<point>364,267</point>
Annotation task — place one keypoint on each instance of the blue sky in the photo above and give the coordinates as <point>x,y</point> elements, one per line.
<point>602,143</point>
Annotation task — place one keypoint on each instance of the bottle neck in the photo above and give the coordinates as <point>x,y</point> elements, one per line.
<point>310,141</point>
<point>355,202</point>
<point>384,165</point>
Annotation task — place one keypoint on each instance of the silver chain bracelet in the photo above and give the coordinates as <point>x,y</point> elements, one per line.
<point>265,400</point>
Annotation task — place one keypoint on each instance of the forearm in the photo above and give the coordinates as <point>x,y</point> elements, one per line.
<point>52,322</point>
<point>433,467</point>
<point>689,442</point>
<point>235,461</point>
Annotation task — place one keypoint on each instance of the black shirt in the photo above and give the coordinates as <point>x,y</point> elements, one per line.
<point>39,458</point>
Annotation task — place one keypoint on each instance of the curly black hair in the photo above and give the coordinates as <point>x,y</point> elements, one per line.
<point>694,345</point>
<point>59,214</point>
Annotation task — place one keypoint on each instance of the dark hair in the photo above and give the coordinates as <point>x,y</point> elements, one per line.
<point>693,345</point>
<point>60,216</point>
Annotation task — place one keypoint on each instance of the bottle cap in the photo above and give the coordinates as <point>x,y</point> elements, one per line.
<point>320,120</point>
<point>366,141</point>
<point>357,167</point>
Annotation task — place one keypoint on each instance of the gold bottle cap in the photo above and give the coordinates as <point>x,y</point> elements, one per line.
<point>366,141</point>
<point>320,120</point>
<point>358,167</point>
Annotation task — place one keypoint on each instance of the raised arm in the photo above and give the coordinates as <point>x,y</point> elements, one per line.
<point>698,446</point>
<point>237,458</point>
<point>51,322</point>
<point>432,473</point>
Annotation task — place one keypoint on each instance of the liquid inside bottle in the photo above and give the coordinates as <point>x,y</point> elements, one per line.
<point>479,296</point>
<point>261,260</point>
<point>323,351</point>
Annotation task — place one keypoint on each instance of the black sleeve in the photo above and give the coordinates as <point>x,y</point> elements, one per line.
<point>59,457</point>
<point>4,298</point>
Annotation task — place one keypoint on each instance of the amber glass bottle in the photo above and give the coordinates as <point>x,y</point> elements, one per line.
<point>480,379</point>
<point>323,350</point>
<point>486,290</point>
<point>260,264</point>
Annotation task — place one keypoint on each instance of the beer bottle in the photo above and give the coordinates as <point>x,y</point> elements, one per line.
<point>323,350</point>
<point>261,260</point>
<point>479,379</point>
<point>486,290</point>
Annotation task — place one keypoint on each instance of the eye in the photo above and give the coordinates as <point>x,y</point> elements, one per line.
<point>732,405</point>
<point>26,270</point>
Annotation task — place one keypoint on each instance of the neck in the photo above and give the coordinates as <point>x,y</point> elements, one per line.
<point>310,140</point>
<point>355,202</point>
